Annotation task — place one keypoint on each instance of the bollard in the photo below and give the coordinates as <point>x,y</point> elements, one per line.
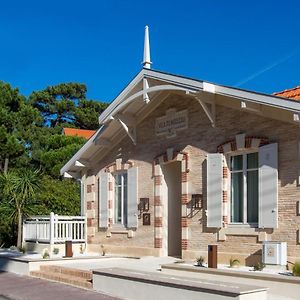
<point>213,256</point>
<point>69,252</point>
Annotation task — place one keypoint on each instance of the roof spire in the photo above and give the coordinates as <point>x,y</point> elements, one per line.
<point>147,62</point>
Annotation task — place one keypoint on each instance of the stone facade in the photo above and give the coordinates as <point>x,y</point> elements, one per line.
<point>191,146</point>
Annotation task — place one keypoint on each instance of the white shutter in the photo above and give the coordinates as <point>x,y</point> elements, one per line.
<point>268,186</point>
<point>103,201</point>
<point>214,190</point>
<point>132,197</point>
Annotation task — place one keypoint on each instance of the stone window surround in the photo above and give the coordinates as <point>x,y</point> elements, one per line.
<point>168,156</point>
<point>240,143</point>
<point>115,167</point>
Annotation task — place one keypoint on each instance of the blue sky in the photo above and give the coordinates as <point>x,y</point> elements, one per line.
<point>251,44</point>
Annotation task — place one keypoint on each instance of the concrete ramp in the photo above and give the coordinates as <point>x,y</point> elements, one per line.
<point>130,284</point>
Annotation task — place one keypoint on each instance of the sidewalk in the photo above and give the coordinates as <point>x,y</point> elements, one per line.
<point>18,287</point>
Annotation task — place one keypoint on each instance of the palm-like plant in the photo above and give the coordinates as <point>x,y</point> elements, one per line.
<point>18,191</point>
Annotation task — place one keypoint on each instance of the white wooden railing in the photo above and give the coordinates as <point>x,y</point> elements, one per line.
<point>54,229</point>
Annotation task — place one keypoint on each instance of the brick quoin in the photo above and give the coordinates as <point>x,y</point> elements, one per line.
<point>225,172</point>
<point>184,222</point>
<point>184,177</point>
<point>110,186</point>
<point>158,243</point>
<point>184,198</point>
<point>158,180</point>
<point>90,205</point>
<point>225,196</point>
<point>184,244</point>
<point>90,222</point>
<point>158,222</point>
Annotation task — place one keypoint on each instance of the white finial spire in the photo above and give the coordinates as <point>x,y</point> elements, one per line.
<point>147,62</point>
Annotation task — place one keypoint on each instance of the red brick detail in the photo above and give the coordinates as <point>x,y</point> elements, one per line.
<point>90,205</point>
<point>110,204</point>
<point>225,172</point>
<point>90,222</point>
<point>184,177</point>
<point>184,199</point>
<point>110,221</point>
<point>89,188</point>
<point>225,219</point>
<point>184,222</point>
<point>225,196</point>
<point>158,180</point>
<point>158,222</point>
<point>110,186</point>
<point>184,244</point>
<point>158,243</point>
<point>157,201</point>
<point>248,141</point>
<point>233,145</point>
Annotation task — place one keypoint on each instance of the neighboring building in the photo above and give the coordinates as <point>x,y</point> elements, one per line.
<point>179,164</point>
<point>293,93</point>
<point>78,132</point>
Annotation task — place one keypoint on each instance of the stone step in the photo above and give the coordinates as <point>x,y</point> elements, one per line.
<point>64,278</point>
<point>87,275</point>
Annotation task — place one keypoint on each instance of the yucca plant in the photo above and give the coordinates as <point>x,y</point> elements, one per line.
<point>296,268</point>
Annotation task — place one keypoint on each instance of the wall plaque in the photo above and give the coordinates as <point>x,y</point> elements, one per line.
<point>172,122</point>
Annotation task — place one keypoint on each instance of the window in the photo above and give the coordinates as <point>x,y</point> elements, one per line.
<point>244,188</point>
<point>120,199</point>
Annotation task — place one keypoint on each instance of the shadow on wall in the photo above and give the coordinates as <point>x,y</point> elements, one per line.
<point>254,258</point>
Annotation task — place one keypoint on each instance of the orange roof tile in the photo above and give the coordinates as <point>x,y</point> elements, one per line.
<point>78,132</point>
<point>293,93</point>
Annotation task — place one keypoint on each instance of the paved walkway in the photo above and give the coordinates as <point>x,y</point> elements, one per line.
<point>19,287</point>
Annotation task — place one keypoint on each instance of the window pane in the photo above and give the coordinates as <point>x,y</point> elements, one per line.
<point>237,162</point>
<point>118,204</point>
<point>252,160</point>
<point>125,200</point>
<point>237,195</point>
<point>252,196</point>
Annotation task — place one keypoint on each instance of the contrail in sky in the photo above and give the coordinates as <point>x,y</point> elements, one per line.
<point>267,68</point>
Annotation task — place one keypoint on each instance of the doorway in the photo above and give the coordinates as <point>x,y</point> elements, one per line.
<point>172,192</point>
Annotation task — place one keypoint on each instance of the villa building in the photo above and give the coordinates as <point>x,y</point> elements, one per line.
<point>179,164</point>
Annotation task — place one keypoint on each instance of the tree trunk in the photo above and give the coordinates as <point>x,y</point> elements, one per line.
<point>19,240</point>
<point>6,165</point>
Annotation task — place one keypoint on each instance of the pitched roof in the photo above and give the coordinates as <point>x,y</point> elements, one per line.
<point>78,132</point>
<point>293,93</point>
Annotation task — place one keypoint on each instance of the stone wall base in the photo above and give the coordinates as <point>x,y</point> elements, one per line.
<point>124,250</point>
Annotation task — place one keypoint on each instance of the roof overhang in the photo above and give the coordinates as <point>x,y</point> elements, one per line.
<point>139,97</point>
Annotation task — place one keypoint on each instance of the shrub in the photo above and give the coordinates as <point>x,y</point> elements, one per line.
<point>200,260</point>
<point>296,268</point>
<point>259,266</point>
<point>22,249</point>
<point>55,250</point>
<point>234,262</point>
<point>46,254</point>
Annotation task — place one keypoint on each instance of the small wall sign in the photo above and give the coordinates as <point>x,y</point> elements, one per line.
<point>172,122</point>
<point>146,219</point>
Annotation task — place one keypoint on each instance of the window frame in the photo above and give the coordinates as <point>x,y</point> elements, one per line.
<point>244,153</point>
<point>124,216</point>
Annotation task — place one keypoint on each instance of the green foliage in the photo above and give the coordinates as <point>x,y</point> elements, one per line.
<point>18,189</point>
<point>66,103</point>
<point>31,139</point>
<point>55,251</point>
<point>46,254</point>
<point>296,268</point>
<point>200,260</point>
<point>259,266</point>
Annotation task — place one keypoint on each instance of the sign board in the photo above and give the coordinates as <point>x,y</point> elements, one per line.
<point>172,122</point>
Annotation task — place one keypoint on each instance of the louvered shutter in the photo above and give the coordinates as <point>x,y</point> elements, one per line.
<point>268,186</point>
<point>103,201</point>
<point>214,190</point>
<point>132,197</point>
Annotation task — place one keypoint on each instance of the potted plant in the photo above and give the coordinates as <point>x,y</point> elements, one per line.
<point>234,263</point>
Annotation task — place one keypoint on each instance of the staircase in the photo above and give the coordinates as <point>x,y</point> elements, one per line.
<point>76,277</point>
